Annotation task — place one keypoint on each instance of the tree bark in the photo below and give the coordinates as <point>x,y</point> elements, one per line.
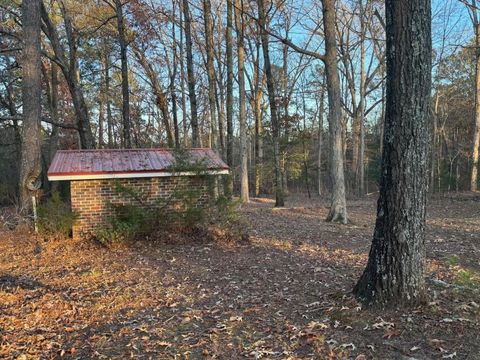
<point>476,132</point>
<point>30,165</point>
<point>220,88</point>
<point>127,128</point>
<point>338,207</point>
<point>196,140</point>
<point>229,100</point>
<point>182,82</point>
<point>207,14</point>
<point>396,264</point>
<point>257,110</point>
<point>244,193</point>
<point>106,69</point>
<point>173,76</point>
<point>279,196</point>
<point>321,109</point>
<point>360,179</point>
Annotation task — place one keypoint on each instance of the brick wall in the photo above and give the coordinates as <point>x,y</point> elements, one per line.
<point>90,198</point>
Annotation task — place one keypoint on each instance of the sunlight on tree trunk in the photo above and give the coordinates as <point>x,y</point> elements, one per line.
<point>338,207</point>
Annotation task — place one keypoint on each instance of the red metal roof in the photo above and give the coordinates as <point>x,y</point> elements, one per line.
<point>74,163</point>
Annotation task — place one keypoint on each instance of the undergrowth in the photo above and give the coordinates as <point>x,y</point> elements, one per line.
<point>55,217</point>
<point>137,217</point>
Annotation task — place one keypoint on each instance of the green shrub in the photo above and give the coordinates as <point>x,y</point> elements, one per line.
<point>128,223</point>
<point>141,218</point>
<point>55,217</point>
<point>136,221</point>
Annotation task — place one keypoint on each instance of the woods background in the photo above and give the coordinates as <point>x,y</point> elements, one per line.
<point>246,78</point>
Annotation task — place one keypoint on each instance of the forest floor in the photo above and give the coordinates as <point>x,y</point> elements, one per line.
<point>285,295</point>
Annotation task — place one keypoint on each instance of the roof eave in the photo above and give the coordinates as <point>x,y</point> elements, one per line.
<point>132,175</point>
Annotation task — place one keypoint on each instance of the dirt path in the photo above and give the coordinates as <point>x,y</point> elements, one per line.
<point>284,296</point>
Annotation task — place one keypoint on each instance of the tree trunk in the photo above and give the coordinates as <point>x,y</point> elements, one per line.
<point>101,110</point>
<point>257,110</point>
<point>108,101</point>
<point>434,143</point>
<point>51,90</point>
<point>160,94</point>
<point>30,166</point>
<point>182,83</point>
<point>244,194</point>
<point>360,180</point>
<point>321,110</point>
<point>396,264</point>
<point>127,128</point>
<point>382,117</point>
<point>338,208</point>
<point>229,60</point>
<point>476,132</point>
<point>220,88</point>
<point>279,197</point>
<point>71,73</point>
<point>196,140</point>
<point>173,76</point>
<point>207,14</point>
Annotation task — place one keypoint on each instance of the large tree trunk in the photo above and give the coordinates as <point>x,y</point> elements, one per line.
<point>124,62</point>
<point>244,195</point>
<point>338,208</point>
<point>196,140</point>
<point>279,196</point>
<point>396,264</point>
<point>30,165</point>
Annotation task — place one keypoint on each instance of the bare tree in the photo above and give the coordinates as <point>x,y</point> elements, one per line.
<point>338,208</point>
<point>279,196</point>
<point>70,70</point>
<point>240,27</point>
<point>122,41</point>
<point>159,92</point>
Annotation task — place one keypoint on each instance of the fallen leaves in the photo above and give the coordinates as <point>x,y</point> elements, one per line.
<point>264,300</point>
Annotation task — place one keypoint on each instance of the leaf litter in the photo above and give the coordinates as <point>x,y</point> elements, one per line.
<point>286,295</point>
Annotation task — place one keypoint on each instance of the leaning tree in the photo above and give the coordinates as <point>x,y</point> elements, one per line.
<point>396,264</point>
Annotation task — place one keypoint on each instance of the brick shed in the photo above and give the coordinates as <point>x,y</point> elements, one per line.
<point>157,174</point>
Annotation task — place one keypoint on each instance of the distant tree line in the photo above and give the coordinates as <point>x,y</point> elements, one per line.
<point>291,94</point>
